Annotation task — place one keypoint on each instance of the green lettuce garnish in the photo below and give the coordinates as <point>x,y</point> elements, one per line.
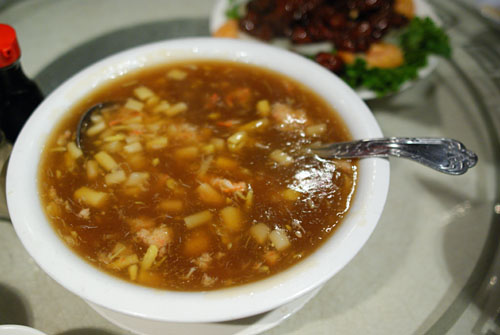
<point>421,38</point>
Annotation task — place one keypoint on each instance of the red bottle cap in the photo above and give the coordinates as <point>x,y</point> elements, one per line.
<point>9,48</point>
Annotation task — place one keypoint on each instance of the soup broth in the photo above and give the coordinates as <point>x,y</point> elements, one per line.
<point>195,177</point>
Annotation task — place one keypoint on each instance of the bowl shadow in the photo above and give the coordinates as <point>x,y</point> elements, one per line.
<point>88,331</point>
<point>96,49</point>
<point>14,309</point>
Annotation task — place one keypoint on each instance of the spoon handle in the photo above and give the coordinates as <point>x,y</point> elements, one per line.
<point>442,154</point>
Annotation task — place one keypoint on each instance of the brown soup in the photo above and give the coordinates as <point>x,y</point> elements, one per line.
<point>196,179</point>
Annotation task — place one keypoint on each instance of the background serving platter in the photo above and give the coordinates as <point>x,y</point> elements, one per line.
<point>422,9</point>
<point>431,265</point>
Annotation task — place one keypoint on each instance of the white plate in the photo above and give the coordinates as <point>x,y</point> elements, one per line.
<point>248,326</point>
<point>18,330</point>
<point>422,9</point>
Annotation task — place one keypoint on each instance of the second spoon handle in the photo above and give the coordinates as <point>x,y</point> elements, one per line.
<point>442,154</point>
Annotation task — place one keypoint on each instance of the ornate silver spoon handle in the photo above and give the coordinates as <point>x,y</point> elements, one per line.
<point>442,154</point>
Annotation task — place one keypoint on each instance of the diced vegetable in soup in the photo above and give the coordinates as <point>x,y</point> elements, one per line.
<point>196,178</point>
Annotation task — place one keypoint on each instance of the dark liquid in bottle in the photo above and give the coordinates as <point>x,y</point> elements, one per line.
<point>19,96</point>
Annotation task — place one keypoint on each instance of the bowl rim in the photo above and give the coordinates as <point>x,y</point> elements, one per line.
<point>86,281</point>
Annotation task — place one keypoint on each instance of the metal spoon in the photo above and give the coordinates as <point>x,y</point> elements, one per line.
<point>84,120</point>
<point>442,154</point>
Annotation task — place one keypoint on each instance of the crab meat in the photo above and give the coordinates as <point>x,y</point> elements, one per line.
<point>160,236</point>
<point>203,262</point>
<point>207,281</point>
<point>184,132</point>
<point>84,213</point>
<point>227,186</point>
<point>288,118</point>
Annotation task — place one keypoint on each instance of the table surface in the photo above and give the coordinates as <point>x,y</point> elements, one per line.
<point>433,262</point>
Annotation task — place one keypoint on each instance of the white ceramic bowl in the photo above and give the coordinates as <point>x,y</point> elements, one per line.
<point>86,281</point>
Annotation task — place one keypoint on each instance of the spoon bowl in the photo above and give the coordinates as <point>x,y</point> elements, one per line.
<point>85,118</point>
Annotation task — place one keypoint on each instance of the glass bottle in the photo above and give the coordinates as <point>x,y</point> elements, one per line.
<point>19,96</point>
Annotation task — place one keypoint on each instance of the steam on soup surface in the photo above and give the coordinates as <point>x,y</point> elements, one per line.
<point>196,178</point>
